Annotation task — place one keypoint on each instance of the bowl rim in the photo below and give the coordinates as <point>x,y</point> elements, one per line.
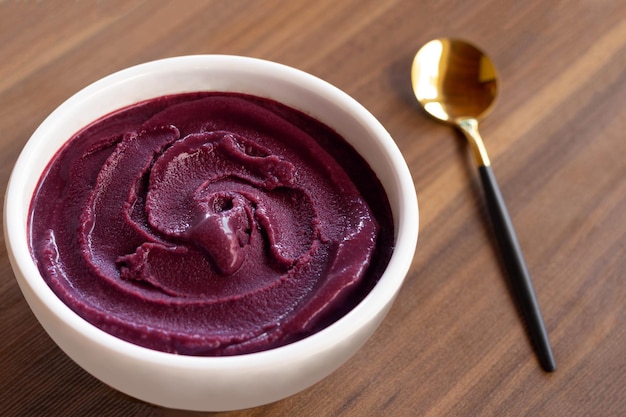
<point>383,293</point>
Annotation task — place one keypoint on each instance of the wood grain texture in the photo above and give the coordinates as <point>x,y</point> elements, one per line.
<point>453,344</point>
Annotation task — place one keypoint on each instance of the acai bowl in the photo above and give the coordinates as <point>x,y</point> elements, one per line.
<point>169,370</point>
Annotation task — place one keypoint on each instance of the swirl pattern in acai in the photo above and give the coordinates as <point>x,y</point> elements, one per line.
<point>210,224</point>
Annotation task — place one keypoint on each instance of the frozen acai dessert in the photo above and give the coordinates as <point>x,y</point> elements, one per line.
<point>210,224</point>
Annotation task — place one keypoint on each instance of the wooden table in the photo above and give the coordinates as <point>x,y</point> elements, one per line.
<point>453,344</point>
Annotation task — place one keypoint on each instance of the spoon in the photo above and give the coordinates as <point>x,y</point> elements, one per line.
<point>456,83</point>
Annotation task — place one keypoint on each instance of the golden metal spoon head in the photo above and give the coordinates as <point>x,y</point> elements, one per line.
<point>455,82</point>
<point>453,79</point>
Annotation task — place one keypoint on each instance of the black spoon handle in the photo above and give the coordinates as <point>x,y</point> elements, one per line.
<point>516,267</point>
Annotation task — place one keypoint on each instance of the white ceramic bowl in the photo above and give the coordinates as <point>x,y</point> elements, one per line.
<point>211,383</point>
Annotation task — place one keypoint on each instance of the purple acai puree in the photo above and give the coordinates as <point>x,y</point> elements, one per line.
<point>210,224</point>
